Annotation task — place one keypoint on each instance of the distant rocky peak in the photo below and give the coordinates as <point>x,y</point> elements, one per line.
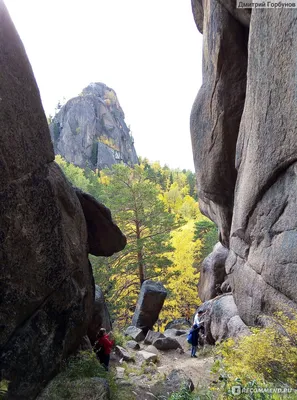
<point>90,130</point>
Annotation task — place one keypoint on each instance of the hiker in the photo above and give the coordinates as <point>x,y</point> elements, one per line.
<point>199,321</point>
<point>103,347</point>
<point>194,334</point>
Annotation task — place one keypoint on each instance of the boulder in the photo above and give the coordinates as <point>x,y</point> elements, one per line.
<point>217,110</point>
<point>174,381</point>
<point>166,343</point>
<point>123,353</point>
<point>135,333</point>
<point>147,356</point>
<point>151,336</point>
<point>174,332</point>
<point>212,273</point>
<point>100,317</point>
<point>120,372</point>
<point>132,344</point>
<point>152,349</point>
<point>182,340</point>
<point>46,281</point>
<point>222,320</point>
<point>104,236</point>
<point>149,304</point>
<point>180,323</point>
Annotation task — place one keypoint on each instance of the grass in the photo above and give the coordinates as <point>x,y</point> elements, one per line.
<point>76,381</point>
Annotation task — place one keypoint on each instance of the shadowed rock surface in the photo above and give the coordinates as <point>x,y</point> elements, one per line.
<point>217,111</point>
<point>212,273</point>
<point>46,282</point>
<point>245,150</point>
<point>173,382</point>
<point>104,236</point>
<point>222,320</point>
<point>90,130</point>
<point>149,304</point>
<point>100,317</point>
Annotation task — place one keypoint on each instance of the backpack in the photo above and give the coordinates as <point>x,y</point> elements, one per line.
<point>189,338</point>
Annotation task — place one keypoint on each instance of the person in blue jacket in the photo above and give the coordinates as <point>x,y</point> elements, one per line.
<point>195,334</point>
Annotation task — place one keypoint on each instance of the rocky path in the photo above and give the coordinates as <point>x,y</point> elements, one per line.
<point>198,369</point>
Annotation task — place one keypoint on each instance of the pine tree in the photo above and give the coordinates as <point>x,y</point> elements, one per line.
<point>141,215</point>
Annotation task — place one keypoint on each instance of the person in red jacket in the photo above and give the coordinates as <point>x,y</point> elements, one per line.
<point>104,343</point>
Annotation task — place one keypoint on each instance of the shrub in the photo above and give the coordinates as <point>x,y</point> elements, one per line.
<point>265,359</point>
<point>71,380</point>
<point>3,388</point>
<point>183,394</point>
<point>119,338</point>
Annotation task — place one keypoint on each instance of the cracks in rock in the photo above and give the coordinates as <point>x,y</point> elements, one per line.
<point>19,328</point>
<point>214,137</point>
<point>269,104</point>
<point>270,182</point>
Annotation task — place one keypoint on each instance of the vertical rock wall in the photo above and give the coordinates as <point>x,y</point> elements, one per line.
<point>46,281</point>
<point>245,149</point>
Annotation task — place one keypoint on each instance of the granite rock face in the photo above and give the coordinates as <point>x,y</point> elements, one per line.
<point>217,111</point>
<point>222,319</point>
<point>90,130</point>
<point>46,282</point>
<point>263,256</point>
<point>212,273</point>
<point>246,131</point>
<point>149,304</point>
<point>100,317</point>
<point>104,236</point>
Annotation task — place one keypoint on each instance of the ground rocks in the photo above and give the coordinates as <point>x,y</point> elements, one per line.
<point>123,353</point>
<point>152,349</point>
<point>180,323</point>
<point>166,343</point>
<point>174,332</point>
<point>135,333</point>
<point>174,381</point>
<point>150,302</point>
<point>151,336</point>
<point>147,356</point>
<point>132,344</point>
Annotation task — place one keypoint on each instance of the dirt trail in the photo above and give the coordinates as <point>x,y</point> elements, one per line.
<point>198,369</point>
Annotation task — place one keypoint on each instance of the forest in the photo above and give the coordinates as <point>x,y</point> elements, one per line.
<point>167,236</point>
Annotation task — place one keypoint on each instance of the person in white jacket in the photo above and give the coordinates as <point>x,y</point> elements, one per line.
<point>199,321</point>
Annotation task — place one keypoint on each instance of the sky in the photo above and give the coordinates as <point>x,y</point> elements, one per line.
<point>149,52</point>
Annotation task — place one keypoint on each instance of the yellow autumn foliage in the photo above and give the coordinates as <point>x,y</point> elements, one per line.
<point>182,300</point>
<point>266,358</point>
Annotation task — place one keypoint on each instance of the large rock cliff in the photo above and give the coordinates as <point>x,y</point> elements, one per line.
<point>243,126</point>
<point>90,130</point>
<point>46,232</point>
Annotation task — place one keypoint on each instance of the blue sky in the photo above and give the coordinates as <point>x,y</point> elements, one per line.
<point>148,52</point>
